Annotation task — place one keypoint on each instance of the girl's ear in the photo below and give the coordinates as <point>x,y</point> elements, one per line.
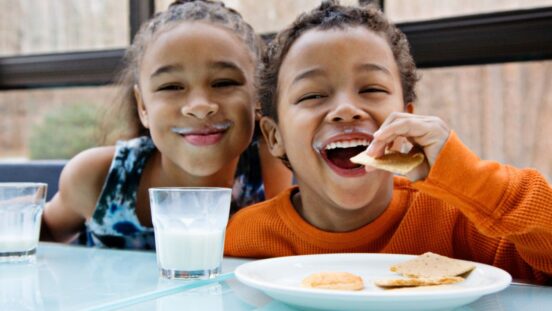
<point>142,112</point>
<point>409,108</point>
<point>272,136</point>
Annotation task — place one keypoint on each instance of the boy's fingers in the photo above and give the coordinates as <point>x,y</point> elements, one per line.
<point>392,117</point>
<point>413,131</point>
<point>420,130</point>
<point>427,132</point>
<point>376,148</point>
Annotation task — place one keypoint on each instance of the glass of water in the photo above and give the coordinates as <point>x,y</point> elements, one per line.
<point>21,206</point>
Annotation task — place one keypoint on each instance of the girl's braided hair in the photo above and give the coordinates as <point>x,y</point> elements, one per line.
<point>213,12</point>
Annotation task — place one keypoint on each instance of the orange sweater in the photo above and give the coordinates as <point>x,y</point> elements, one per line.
<point>466,208</point>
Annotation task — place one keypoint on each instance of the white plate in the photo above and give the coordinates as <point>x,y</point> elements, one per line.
<point>280,278</point>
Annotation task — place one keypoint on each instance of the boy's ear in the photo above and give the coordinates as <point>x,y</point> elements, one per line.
<point>272,136</point>
<point>142,112</point>
<point>409,107</point>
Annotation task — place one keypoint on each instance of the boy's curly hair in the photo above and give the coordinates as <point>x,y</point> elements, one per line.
<point>330,14</point>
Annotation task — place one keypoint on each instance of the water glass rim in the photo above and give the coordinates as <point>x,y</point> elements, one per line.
<point>22,184</point>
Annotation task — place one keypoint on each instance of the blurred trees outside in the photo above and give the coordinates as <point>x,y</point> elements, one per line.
<point>65,132</point>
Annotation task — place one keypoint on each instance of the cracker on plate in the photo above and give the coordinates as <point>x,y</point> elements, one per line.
<point>333,280</point>
<point>414,282</point>
<point>423,288</point>
<point>430,265</point>
<point>395,162</point>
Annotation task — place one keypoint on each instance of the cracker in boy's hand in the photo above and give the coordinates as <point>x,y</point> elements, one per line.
<point>333,280</point>
<point>430,265</point>
<point>395,162</point>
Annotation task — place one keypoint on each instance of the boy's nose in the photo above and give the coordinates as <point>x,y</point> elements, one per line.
<point>199,108</point>
<point>346,112</point>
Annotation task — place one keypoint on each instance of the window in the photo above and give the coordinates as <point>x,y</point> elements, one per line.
<point>46,26</point>
<point>501,112</point>
<point>407,10</point>
<point>50,123</point>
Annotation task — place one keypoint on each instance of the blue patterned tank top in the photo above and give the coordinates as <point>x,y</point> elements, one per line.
<point>114,222</point>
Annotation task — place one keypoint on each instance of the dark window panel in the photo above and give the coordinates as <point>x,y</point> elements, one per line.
<point>66,69</point>
<point>482,39</point>
<point>521,35</point>
<point>140,11</point>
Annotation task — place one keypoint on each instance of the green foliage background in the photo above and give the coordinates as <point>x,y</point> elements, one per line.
<point>65,132</point>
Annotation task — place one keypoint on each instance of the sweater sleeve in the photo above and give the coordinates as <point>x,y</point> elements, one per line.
<point>500,201</point>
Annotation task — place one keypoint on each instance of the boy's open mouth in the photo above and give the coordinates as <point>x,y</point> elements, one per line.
<point>338,153</point>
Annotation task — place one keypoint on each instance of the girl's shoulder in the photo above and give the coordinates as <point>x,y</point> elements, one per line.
<point>89,164</point>
<point>83,176</point>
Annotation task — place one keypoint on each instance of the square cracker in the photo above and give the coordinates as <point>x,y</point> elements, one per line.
<point>424,288</point>
<point>399,163</point>
<point>412,282</point>
<point>430,265</point>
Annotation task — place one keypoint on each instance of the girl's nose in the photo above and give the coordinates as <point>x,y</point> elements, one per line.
<point>199,108</point>
<point>346,111</point>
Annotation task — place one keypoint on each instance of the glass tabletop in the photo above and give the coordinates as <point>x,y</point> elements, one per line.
<point>68,277</point>
<point>230,294</point>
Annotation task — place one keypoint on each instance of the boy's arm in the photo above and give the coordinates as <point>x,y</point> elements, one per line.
<point>79,187</point>
<point>499,200</point>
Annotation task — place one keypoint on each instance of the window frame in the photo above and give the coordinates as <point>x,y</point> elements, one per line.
<point>506,36</point>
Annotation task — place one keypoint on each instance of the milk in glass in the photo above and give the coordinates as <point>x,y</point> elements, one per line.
<point>19,230</point>
<point>189,226</point>
<point>189,250</point>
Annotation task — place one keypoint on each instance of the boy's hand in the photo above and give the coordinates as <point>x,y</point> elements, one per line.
<point>428,132</point>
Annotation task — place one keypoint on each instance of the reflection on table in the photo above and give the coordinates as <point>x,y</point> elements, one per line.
<point>232,295</point>
<point>77,278</point>
<point>74,278</point>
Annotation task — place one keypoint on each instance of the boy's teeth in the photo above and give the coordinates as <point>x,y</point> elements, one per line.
<point>347,144</point>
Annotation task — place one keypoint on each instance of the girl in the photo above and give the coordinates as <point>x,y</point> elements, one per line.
<point>343,79</point>
<point>191,97</point>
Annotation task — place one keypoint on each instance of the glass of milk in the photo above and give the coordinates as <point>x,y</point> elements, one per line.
<point>21,206</point>
<point>189,226</point>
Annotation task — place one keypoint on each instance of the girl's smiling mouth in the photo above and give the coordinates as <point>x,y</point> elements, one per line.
<point>205,135</point>
<point>338,150</point>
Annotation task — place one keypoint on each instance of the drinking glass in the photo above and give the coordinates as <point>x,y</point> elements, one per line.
<point>189,226</point>
<point>21,206</point>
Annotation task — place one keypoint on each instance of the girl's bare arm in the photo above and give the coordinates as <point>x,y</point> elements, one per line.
<point>79,187</point>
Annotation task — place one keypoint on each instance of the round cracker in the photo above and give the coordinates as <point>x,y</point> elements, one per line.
<point>333,280</point>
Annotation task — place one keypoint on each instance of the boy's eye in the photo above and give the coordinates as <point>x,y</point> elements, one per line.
<point>310,97</point>
<point>225,83</point>
<point>372,90</point>
<point>170,87</point>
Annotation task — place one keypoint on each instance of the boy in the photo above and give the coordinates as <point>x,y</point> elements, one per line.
<point>340,79</point>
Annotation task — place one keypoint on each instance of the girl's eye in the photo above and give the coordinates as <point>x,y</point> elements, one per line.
<point>310,97</point>
<point>170,87</point>
<point>225,83</point>
<point>372,90</point>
